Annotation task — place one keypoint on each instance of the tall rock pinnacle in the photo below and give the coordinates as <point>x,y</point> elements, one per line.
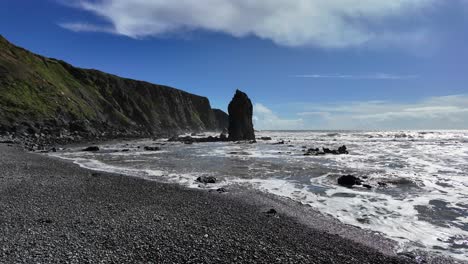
<point>240,118</point>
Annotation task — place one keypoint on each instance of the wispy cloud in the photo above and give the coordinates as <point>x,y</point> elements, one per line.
<point>323,23</point>
<point>442,112</point>
<point>378,76</point>
<point>85,27</point>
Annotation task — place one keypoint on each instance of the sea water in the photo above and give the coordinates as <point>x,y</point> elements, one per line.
<point>422,205</point>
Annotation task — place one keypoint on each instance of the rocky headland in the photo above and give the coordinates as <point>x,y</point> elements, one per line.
<point>45,101</point>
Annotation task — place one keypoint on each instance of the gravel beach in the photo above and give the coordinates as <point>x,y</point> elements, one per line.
<point>53,211</point>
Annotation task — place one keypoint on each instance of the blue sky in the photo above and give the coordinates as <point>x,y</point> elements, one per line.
<point>306,64</point>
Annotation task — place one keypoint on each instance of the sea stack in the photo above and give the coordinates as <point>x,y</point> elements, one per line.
<point>240,118</point>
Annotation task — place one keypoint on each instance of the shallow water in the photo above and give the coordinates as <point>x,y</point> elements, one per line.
<point>423,206</point>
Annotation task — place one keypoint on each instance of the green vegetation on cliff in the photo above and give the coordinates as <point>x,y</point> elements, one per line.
<point>39,94</point>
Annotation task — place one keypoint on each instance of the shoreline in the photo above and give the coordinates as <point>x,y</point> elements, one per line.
<point>67,208</point>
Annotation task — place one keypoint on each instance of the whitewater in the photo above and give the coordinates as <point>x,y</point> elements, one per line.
<point>419,194</point>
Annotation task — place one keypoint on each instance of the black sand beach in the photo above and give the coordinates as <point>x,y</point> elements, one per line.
<point>53,211</point>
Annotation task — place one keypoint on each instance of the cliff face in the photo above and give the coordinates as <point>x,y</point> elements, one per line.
<point>222,119</point>
<point>40,95</point>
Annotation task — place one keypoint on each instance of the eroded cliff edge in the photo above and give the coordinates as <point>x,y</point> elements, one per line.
<point>46,97</point>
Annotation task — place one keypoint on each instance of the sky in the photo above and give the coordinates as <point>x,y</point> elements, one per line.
<point>306,64</point>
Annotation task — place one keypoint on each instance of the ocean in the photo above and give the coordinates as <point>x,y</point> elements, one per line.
<point>419,194</point>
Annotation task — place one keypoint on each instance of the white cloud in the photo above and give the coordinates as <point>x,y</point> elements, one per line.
<point>443,112</point>
<point>324,23</point>
<point>265,119</point>
<point>377,76</point>
<point>78,27</point>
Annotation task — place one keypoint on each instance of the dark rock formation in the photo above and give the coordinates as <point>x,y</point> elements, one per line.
<point>147,148</point>
<point>240,118</point>
<point>92,148</point>
<point>271,212</point>
<point>342,150</point>
<point>222,119</point>
<point>221,190</point>
<point>349,180</point>
<point>382,184</point>
<point>206,179</point>
<point>316,152</point>
<point>191,140</point>
<point>43,98</point>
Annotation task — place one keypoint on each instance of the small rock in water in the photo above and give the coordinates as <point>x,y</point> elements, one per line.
<point>92,148</point>
<point>342,150</point>
<point>367,186</point>
<point>206,179</point>
<point>349,180</point>
<point>382,184</point>
<point>265,138</point>
<point>151,148</point>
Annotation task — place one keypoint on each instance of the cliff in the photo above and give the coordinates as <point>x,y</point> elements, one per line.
<point>40,95</point>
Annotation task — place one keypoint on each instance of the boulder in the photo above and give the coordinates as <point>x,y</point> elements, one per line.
<point>342,150</point>
<point>92,148</point>
<point>206,179</point>
<point>147,148</point>
<point>240,118</point>
<point>349,180</point>
<point>221,190</point>
<point>382,184</point>
<point>271,212</point>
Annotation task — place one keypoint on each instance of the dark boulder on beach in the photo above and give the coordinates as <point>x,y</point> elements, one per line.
<point>349,180</point>
<point>221,190</point>
<point>240,118</point>
<point>92,148</point>
<point>271,212</point>
<point>206,179</point>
